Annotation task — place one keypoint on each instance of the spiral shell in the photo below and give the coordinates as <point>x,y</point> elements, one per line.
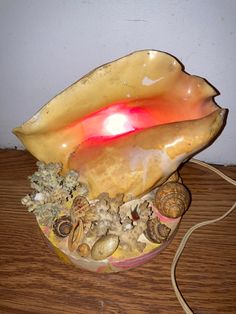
<point>79,207</point>
<point>62,226</point>
<point>175,177</point>
<point>156,232</point>
<point>172,199</point>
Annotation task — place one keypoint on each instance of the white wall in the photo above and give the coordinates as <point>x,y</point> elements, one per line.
<point>46,45</point>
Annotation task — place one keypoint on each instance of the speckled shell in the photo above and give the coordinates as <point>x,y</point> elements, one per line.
<point>62,226</point>
<point>83,250</point>
<point>172,199</point>
<point>104,247</point>
<point>156,232</point>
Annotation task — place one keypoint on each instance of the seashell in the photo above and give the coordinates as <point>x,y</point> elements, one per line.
<point>83,250</point>
<point>75,236</point>
<point>62,226</point>
<point>156,232</point>
<point>117,165</point>
<point>174,177</point>
<point>104,247</point>
<point>161,114</point>
<point>172,199</point>
<point>79,206</point>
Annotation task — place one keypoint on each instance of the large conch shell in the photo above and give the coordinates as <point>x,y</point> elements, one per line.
<point>134,163</point>
<point>170,115</point>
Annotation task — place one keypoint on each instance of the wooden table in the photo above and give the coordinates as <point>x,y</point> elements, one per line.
<point>34,280</point>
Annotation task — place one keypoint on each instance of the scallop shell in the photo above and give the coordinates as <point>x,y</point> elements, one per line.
<point>171,115</point>
<point>156,232</point>
<point>172,199</point>
<point>104,247</point>
<point>62,226</point>
<point>79,207</point>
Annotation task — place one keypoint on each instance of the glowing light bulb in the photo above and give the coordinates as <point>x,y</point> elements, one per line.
<point>117,123</point>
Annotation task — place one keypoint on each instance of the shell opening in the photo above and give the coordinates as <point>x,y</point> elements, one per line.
<point>127,116</point>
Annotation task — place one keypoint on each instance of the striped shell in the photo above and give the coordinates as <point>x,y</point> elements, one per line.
<point>172,199</point>
<point>156,232</point>
<point>79,207</point>
<point>62,226</point>
<point>175,177</point>
<point>76,236</point>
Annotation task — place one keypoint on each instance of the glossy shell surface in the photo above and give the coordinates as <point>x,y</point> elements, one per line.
<point>104,247</point>
<point>171,116</point>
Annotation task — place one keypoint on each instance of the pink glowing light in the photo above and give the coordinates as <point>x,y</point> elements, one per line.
<point>116,120</point>
<point>117,123</point>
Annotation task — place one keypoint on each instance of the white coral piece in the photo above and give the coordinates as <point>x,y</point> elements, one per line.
<point>129,236</point>
<point>52,191</point>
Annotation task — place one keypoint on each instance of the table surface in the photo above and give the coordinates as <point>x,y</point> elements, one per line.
<point>34,280</point>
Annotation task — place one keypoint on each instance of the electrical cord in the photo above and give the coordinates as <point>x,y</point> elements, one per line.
<point>181,247</point>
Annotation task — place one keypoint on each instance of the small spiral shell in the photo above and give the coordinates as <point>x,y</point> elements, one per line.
<point>79,207</point>
<point>62,226</point>
<point>172,199</point>
<point>156,232</point>
<point>175,177</point>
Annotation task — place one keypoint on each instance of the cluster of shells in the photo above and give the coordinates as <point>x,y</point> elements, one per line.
<point>95,229</point>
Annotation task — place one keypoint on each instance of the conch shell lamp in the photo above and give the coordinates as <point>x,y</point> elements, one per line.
<point>121,132</point>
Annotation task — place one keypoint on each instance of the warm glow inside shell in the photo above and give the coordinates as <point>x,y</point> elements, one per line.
<point>127,125</point>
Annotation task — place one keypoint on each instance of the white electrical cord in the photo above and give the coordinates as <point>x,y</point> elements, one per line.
<point>180,249</point>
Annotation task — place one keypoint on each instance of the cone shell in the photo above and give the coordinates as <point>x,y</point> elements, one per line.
<point>172,199</point>
<point>171,113</point>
